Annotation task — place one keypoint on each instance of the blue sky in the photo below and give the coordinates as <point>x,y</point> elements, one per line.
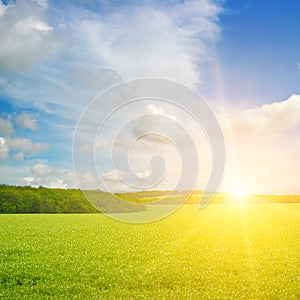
<point>242,56</point>
<point>259,50</point>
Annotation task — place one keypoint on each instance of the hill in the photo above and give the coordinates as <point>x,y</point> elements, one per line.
<point>26,199</point>
<point>193,197</point>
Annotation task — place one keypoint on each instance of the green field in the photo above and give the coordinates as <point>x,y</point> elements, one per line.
<point>220,252</point>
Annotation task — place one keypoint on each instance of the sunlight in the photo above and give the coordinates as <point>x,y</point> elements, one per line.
<point>239,192</point>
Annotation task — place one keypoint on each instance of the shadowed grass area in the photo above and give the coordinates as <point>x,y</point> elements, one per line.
<point>223,251</point>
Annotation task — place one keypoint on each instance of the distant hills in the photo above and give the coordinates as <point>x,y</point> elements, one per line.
<point>26,199</point>
<point>193,197</point>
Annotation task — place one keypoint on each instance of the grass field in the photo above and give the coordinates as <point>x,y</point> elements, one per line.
<point>221,252</point>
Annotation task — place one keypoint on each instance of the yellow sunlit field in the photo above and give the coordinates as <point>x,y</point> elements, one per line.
<point>225,251</point>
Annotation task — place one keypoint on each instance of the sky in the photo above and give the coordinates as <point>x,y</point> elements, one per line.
<point>242,57</point>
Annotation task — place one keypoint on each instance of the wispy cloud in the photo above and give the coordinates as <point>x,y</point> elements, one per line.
<point>26,37</point>
<point>66,52</point>
<point>6,126</point>
<point>4,151</point>
<point>56,56</point>
<point>26,145</point>
<point>19,147</point>
<point>161,40</point>
<point>26,121</point>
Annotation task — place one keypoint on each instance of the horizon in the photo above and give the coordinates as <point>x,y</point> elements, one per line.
<point>242,58</point>
<point>191,192</point>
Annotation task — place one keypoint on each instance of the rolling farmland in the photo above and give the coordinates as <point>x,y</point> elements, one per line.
<point>231,251</point>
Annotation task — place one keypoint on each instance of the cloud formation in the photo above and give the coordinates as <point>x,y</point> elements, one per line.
<point>26,121</point>
<point>47,175</point>
<point>156,40</point>
<point>262,147</point>
<point>270,118</point>
<point>98,80</point>
<point>6,126</point>
<point>4,151</point>
<point>120,41</point>
<point>26,145</point>
<point>20,147</point>
<point>26,37</point>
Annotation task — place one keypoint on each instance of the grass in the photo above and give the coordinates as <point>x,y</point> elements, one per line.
<point>221,252</point>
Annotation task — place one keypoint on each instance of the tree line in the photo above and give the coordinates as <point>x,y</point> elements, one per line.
<point>27,199</point>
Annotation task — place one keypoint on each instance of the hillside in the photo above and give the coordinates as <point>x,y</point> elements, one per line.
<point>26,199</point>
<point>193,197</point>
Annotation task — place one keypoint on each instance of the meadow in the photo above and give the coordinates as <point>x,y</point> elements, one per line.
<point>225,251</point>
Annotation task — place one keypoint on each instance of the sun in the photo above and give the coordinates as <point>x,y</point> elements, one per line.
<point>239,192</point>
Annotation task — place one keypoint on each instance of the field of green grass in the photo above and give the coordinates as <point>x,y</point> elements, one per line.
<point>220,252</point>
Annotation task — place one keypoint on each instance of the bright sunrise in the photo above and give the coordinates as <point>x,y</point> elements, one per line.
<point>149,149</point>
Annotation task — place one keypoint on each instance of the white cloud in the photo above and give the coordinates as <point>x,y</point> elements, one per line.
<point>31,23</point>
<point>40,169</point>
<point>270,118</point>
<point>88,149</point>
<point>4,151</point>
<point>262,144</point>
<point>26,145</point>
<point>263,147</point>
<point>2,9</point>
<point>156,136</point>
<point>51,176</point>
<point>27,121</point>
<point>99,80</point>
<point>20,147</point>
<point>42,3</point>
<point>128,41</point>
<point>44,174</point>
<point>146,125</point>
<point>155,110</point>
<point>148,39</point>
<point>113,175</point>
<point>19,155</point>
<point>114,183</point>
<point>25,36</point>
<point>156,40</point>
<point>6,126</point>
<point>29,180</point>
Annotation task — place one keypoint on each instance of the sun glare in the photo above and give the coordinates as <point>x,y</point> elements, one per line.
<point>239,192</point>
